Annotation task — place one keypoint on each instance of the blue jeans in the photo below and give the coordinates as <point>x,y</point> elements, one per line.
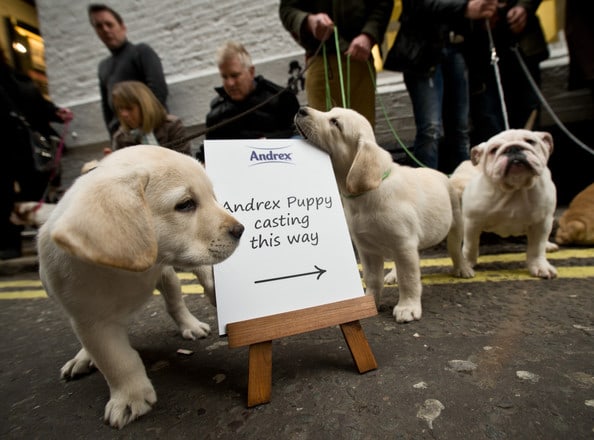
<point>440,107</point>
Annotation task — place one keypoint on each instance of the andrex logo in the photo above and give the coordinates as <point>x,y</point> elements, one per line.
<point>260,156</point>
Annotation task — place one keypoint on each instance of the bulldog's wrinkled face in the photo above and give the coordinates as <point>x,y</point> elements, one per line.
<point>514,158</point>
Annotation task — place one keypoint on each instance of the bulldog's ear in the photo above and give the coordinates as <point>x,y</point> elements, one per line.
<point>547,140</point>
<point>476,153</point>
<point>368,167</point>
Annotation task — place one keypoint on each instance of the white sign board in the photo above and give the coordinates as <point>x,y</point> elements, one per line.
<point>296,251</point>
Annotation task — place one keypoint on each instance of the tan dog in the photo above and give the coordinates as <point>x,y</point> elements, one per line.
<point>115,235</point>
<point>510,192</point>
<point>576,224</point>
<point>31,214</point>
<point>35,214</point>
<point>392,211</point>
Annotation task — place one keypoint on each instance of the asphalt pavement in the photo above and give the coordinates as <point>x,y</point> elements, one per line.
<point>500,356</point>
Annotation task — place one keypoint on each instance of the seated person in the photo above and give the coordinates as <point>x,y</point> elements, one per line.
<point>241,91</point>
<point>144,120</point>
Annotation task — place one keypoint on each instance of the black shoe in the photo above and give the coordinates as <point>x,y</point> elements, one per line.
<point>9,253</point>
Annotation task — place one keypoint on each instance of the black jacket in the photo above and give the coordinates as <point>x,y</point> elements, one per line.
<point>130,62</point>
<point>273,120</point>
<point>424,30</point>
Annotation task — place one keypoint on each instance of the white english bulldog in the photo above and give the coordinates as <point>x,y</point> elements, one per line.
<point>510,193</point>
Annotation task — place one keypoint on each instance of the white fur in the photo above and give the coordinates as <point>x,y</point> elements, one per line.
<point>510,192</point>
<point>392,211</point>
<point>116,235</point>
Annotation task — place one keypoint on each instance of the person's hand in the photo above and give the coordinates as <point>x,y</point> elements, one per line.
<point>65,114</point>
<point>320,25</point>
<point>516,19</point>
<point>360,48</point>
<point>477,9</point>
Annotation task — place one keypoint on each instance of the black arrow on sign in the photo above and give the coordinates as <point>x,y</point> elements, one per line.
<point>319,271</point>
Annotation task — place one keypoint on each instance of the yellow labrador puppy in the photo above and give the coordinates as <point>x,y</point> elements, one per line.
<point>115,235</point>
<point>392,211</point>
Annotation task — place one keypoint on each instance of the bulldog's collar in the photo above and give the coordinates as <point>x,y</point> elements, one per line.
<point>352,196</point>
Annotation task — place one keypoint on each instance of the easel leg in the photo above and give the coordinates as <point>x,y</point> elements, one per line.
<point>260,373</point>
<point>360,350</point>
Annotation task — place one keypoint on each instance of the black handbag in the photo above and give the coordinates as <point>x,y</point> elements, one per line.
<point>43,149</point>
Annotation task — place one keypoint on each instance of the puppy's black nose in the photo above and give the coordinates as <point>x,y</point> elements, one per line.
<point>302,111</point>
<point>236,230</point>
<point>513,149</point>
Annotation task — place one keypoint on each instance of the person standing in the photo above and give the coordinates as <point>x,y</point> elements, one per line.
<point>127,62</point>
<point>20,98</point>
<point>360,25</point>
<point>241,91</point>
<point>514,26</point>
<point>430,51</point>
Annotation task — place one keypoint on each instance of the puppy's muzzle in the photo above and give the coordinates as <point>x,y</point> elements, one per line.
<point>516,156</point>
<point>301,114</point>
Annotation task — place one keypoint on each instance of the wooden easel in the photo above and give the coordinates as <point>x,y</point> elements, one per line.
<point>258,334</point>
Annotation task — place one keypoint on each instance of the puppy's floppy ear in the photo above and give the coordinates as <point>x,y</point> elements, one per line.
<point>476,153</point>
<point>368,167</point>
<point>547,140</point>
<point>108,222</point>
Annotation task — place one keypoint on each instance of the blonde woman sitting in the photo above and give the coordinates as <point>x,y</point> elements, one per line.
<point>143,119</point>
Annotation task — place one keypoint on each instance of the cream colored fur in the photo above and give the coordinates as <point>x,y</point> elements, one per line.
<point>115,235</point>
<point>392,211</point>
<point>509,191</point>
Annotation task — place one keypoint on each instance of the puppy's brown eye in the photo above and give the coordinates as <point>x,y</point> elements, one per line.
<point>186,206</point>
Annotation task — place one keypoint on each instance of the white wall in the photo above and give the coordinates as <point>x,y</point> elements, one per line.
<point>185,34</point>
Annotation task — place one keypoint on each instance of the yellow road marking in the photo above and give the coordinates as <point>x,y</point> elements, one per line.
<point>506,275</point>
<point>520,274</point>
<point>506,258</point>
<point>428,279</point>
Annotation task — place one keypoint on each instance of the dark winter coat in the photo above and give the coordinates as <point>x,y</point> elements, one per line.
<point>273,120</point>
<point>130,62</point>
<point>425,27</point>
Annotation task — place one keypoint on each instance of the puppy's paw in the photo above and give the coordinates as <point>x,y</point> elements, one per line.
<point>77,366</point>
<point>471,256</point>
<point>407,311</point>
<point>542,269</point>
<point>127,405</point>
<point>391,277</point>
<point>194,328</point>
<point>551,247</point>
<point>464,271</point>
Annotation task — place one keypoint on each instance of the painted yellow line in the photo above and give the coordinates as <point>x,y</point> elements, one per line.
<point>19,283</point>
<point>504,258</point>
<point>187,289</point>
<point>506,275</point>
<point>23,294</point>
<point>576,272</point>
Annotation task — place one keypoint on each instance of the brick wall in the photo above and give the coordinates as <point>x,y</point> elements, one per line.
<point>185,34</point>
